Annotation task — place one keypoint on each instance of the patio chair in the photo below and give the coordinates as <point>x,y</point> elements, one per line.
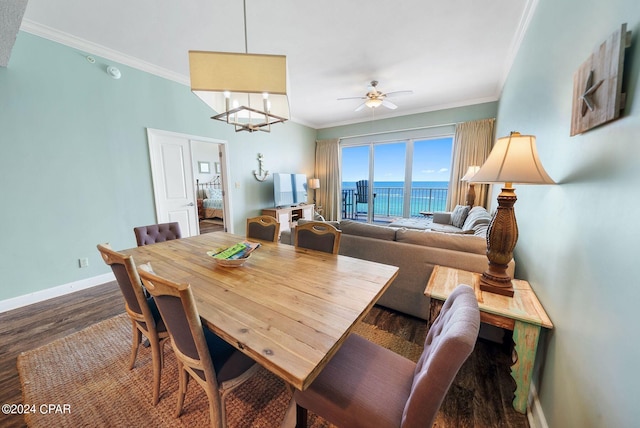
<point>362,197</point>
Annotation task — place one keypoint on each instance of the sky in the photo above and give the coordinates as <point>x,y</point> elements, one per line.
<point>431,161</point>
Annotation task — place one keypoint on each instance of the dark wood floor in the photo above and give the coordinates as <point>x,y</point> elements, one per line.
<point>480,397</point>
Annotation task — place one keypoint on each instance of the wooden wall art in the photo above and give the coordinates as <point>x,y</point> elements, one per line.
<point>597,84</point>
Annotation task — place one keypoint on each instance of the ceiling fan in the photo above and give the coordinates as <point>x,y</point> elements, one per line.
<point>374,98</point>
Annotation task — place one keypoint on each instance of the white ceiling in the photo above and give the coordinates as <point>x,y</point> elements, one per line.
<point>450,53</point>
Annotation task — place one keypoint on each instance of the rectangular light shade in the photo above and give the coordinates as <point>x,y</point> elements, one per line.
<point>513,159</point>
<point>245,76</point>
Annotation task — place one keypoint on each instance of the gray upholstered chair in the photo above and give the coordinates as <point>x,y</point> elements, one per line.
<point>153,233</point>
<point>145,318</point>
<point>317,235</point>
<point>366,385</point>
<point>214,364</point>
<point>263,228</point>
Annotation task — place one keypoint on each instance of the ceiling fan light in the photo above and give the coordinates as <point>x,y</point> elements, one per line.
<point>373,102</point>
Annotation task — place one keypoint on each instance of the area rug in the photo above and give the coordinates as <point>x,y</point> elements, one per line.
<point>86,376</point>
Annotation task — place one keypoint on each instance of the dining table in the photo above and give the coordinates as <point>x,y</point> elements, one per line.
<point>289,309</point>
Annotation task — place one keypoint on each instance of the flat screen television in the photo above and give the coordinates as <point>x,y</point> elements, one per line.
<point>289,189</point>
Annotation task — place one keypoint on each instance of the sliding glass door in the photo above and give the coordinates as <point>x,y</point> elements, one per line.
<point>385,181</point>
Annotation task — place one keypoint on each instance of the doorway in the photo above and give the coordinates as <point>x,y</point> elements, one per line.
<point>189,180</point>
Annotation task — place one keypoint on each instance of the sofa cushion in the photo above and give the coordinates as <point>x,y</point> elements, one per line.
<point>459,215</point>
<point>451,241</point>
<point>350,227</point>
<point>477,215</point>
<point>335,224</point>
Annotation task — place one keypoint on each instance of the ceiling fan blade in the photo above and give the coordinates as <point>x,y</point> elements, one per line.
<point>352,98</point>
<point>360,107</point>
<point>389,104</point>
<point>397,93</point>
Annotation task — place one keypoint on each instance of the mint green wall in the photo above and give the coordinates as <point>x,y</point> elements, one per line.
<point>578,243</point>
<point>74,163</point>
<point>435,118</point>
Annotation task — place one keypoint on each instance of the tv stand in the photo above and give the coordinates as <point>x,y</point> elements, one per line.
<point>289,216</point>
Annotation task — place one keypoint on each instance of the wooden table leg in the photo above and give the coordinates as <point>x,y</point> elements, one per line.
<point>525,338</point>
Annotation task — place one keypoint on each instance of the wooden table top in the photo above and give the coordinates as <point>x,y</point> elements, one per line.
<point>289,309</point>
<point>523,306</point>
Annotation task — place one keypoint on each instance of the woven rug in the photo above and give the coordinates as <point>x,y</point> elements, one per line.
<point>87,374</point>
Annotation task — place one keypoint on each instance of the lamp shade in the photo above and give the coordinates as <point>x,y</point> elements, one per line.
<point>227,80</point>
<point>513,159</point>
<point>314,183</point>
<point>471,171</point>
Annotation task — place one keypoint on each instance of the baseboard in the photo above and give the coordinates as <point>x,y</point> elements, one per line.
<point>535,415</point>
<point>49,293</point>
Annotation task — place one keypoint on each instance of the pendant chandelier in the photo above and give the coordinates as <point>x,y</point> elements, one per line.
<point>248,91</point>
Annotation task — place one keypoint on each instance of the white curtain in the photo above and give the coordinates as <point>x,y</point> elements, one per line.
<point>472,144</point>
<point>328,196</point>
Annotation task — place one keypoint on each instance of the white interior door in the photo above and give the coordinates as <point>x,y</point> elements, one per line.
<point>173,184</point>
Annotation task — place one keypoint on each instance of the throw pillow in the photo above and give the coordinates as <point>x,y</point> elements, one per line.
<point>459,215</point>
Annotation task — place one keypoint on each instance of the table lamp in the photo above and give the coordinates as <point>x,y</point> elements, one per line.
<point>513,159</point>
<point>471,193</point>
<point>314,183</point>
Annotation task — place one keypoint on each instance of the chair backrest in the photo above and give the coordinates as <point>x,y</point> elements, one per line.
<point>178,310</point>
<point>317,235</point>
<point>264,228</point>
<point>129,282</point>
<point>448,344</point>
<point>362,192</point>
<point>153,233</point>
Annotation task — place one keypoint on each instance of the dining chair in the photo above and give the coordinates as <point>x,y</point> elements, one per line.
<point>366,385</point>
<point>317,235</point>
<point>264,228</point>
<point>153,233</point>
<point>142,311</point>
<point>215,365</point>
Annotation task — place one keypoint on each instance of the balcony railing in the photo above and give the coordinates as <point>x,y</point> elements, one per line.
<point>389,202</point>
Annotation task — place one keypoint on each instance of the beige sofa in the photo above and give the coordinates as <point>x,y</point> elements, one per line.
<point>415,252</point>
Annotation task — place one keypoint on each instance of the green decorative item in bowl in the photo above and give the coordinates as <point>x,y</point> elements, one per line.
<point>228,262</point>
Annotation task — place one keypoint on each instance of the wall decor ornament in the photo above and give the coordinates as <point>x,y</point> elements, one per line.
<point>261,174</point>
<point>597,84</point>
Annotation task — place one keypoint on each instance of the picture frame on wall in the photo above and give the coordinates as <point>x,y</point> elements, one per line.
<point>204,167</point>
<point>216,167</point>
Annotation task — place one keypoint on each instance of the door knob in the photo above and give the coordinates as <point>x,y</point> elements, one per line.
<point>190,204</point>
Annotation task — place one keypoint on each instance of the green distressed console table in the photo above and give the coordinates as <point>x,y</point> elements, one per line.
<point>523,314</point>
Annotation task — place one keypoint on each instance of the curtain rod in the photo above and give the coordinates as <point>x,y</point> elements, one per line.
<point>400,130</point>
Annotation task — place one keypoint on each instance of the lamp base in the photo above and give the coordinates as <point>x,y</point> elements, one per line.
<point>495,280</point>
<point>502,236</point>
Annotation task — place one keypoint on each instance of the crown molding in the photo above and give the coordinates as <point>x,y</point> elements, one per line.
<point>101,51</point>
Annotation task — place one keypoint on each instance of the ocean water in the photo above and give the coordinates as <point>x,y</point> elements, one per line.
<point>389,198</point>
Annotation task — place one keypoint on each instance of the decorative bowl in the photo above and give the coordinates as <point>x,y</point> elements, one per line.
<point>228,262</point>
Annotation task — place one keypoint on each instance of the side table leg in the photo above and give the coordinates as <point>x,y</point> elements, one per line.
<point>525,337</point>
<point>434,311</point>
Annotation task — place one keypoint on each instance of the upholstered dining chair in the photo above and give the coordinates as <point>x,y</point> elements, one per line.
<point>145,318</point>
<point>264,228</point>
<point>153,233</point>
<point>317,235</point>
<point>366,385</point>
<point>214,364</point>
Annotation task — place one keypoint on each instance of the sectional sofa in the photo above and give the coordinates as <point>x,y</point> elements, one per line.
<point>415,252</point>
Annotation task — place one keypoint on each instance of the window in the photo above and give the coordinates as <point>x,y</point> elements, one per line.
<point>409,177</point>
